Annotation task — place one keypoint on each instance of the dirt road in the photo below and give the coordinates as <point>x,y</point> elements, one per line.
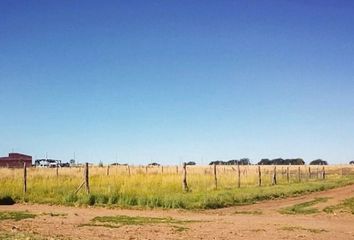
<point>257,221</point>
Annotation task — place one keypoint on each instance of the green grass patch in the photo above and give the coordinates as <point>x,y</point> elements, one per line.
<point>296,228</point>
<point>346,206</point>
<point>27,236</point>
<point>303,208</point>
<point>256,212</point>
<point>127,220</point>
<point>19,236</point>
<point>17,216</point>
<point>122,220</point>
<point>180,228</point>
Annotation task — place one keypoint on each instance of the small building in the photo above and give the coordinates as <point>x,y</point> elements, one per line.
<point>16,160</point>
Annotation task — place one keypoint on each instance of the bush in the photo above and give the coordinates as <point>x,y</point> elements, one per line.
<point>6,200</point>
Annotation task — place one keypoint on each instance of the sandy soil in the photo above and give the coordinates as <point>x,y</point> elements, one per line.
<point>225,223</point>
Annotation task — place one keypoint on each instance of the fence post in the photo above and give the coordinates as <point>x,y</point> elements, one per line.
<point>288,174</point>
<point>309,172</point>
<point>299,173</point>
<point>317,173</point>
<point>24,178</point>
<point>239,175</point>
<point>146,169</point>
<point>128,168</point>
<point>259,176</point>
<point>215,177</point>
<point>107,173</point>
<point>274,178</point>
<point>161,169</point>
<point>177,169</point>
<point>57,171</point>
<point>323,173</point>
<point>184,178</point>
<point>86,176</point>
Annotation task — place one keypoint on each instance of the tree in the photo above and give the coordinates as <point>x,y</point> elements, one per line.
<point>190,163</point>
<point>100,164</point>
<point>218,162</point>
<point>244,161</point>
<point>265,161</point>
<point>318,162</point>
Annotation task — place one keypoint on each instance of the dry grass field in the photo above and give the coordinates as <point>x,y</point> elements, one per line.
<point>141,186</point>
<point>149,203</point>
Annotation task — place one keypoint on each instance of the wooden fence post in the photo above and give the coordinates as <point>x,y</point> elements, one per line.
<point>309,172</point>
<point>86,176</point>
<point>274,178</point>
<point>128,168</point>
<point>299,174</point>
<point>288,174</point>
<point>107,172</point>
<point>184,178</point>
<point>161,169</point>
<point>259,176</point>
<point>177,169</point>
<point>239,175</point>
<point>215,177</point>
<point>57,171</point>
<point>323,173</point>
<point>24,178</point>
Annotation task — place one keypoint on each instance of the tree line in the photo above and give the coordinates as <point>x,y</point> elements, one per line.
<point>266,161</point>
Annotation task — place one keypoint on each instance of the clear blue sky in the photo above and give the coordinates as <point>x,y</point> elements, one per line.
<point>173,81</point>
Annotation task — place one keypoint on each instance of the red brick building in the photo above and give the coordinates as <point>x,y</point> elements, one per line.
<point>15,160</point>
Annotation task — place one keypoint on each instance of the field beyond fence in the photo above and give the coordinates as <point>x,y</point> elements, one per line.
<point>196,187</point>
